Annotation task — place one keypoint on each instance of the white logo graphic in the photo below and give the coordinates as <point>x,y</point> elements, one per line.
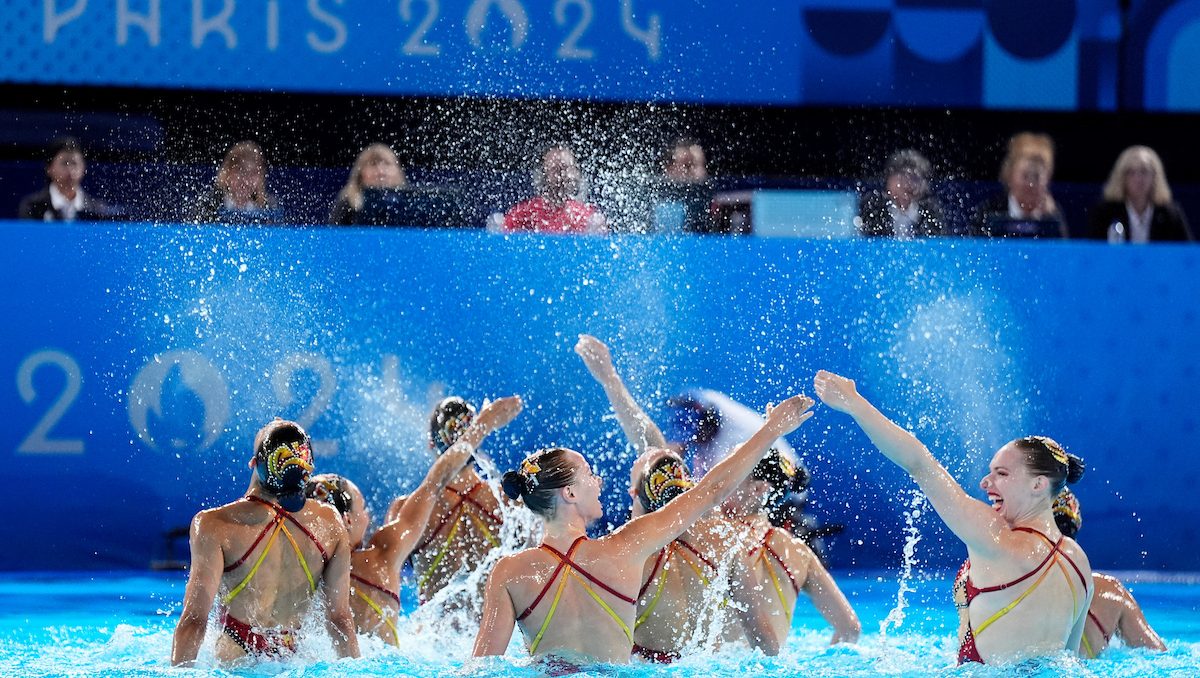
<point>513,11</point>
<point>190,372</point>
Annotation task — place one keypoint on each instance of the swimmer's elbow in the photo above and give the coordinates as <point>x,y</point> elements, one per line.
<point>847,632</point>
<point>770,645</point>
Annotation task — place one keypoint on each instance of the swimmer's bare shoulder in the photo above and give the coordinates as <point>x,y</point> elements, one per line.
<point>393,511</point>
<point>796,553</point>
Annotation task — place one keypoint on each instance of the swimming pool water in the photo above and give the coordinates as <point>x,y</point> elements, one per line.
<point>121,625</point>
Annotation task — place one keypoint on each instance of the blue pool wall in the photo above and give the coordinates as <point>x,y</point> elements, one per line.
<point>139,359</point>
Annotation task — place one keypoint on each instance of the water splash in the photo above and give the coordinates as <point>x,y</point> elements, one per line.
<point>912,536</point>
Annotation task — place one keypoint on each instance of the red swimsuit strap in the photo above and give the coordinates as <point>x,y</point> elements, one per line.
<point>696,553</point>
<point>562,562</point>
<point>566,557</point>
<point>653,571</point>
<point>266,528</point>
<point>1099,626</point>
<point>1082,579</point>
<point>391,594</point>
<point>279,511</point>
<point>1054,548</point>
<point>786,570</point>
<point>461,496</point>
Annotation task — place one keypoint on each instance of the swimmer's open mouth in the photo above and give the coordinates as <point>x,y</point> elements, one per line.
<point>997,502</point>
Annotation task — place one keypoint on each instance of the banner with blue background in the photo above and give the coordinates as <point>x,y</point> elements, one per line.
<point>139,360</point>
<point>1026,54</point>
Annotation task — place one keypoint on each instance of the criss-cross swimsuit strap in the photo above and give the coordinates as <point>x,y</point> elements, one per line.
<point>275,526</point>
<point>1057,556</point>
<point>378,609</point>
<point>765,555</point>
<point>677,547</point>
<point>1104,634</point>
<point>569,569</point>
<point>453,518</point>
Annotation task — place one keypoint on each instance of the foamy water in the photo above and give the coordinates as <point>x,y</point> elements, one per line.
<point>80,625</point>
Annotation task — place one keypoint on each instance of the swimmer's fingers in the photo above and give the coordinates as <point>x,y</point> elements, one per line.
<point>594,352</point>
<point>834,390</point>
<point>502,411</point>
<point>792,412</point>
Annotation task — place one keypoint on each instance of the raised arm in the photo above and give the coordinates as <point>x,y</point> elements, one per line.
<point>204,579</point>
<point>646,534</point>
<point>498,618</point>
<point>640,430</point>
<point>400,535</point>
<point>970,519</point>
<point>336,582</point>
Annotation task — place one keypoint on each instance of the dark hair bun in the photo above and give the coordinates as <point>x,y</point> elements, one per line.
<point>514,484</point>
<point>1075,469</point>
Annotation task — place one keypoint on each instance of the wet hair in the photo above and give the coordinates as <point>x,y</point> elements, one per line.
<point>666,479</point>
<point>1045,457</point>
<point>331,489</point>
<point>449,419</point>
<point>1066,513</point>
<point>60,145</point>
<point>538,478</point>
<point>284,461</point>
<point>782,474</point>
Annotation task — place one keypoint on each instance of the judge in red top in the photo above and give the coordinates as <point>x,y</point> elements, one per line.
<point>555,209</point>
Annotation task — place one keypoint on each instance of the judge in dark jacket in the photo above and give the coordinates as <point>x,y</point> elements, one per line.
<point>63,198</point>
<point>1026,208</point>
<point>904,207</point>
<point>1137,205</point>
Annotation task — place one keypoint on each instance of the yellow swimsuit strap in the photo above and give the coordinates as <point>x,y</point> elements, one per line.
<point>379,611</point>
<point>662,582</point>
<point>1008,608</point>
<point>568,571</point>
<point>787,611</point>
<point>459,513</point>
<point>279,527</point>
<point>437,560</point>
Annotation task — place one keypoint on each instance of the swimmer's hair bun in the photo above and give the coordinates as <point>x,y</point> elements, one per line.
<point>1075,469</point>
<point>516,485</point>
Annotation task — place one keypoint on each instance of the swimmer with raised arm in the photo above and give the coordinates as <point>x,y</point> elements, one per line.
<point>1114,612</point>
<point>1025,587</point>
<point>674,602</point>
<point>267,555</point>
<point>465,522</point>
<point>572,597</point>
<point>375,574</point>
<point>779,566</point>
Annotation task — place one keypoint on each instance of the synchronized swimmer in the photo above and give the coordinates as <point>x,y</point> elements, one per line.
<point>698,559</point>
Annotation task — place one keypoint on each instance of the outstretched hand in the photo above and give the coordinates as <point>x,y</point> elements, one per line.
<point>836,391</point>
<point>789,414</point>
<point>498,413</point>
<point>595,356</point>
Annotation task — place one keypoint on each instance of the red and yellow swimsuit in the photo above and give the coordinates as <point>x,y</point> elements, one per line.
<point>766,554</point>
<point>465,507</point>
<point>278,641</point>
<point>662,565</point>
<point>376,607</point>
<point>569,569</point>
<point>965,592</point>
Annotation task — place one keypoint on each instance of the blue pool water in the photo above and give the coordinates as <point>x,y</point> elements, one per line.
<point>121,625</point>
